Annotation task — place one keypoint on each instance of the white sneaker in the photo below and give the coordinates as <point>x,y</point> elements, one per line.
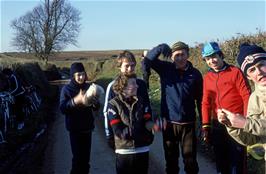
<point>20,126</point>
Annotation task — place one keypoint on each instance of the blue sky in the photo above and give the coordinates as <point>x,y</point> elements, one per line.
<point>109,25</point>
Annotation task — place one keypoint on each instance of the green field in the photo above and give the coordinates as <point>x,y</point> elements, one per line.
<point>101,67</point>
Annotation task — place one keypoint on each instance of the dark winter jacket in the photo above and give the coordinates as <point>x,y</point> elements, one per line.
<point>78,118</point>
<point>134,118</point>
<point>110,94</point>
<point>180,89</point>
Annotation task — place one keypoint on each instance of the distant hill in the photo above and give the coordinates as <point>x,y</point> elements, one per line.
<point>72,55</point>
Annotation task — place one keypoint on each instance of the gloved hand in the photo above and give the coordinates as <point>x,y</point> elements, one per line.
<point>206,133</point>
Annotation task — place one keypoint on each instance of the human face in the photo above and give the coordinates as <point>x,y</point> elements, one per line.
<point>215,62</point>
<point>131,88</point>
<point>80,77</point>
<point>127,67</point>
<point>180,57</point>
<point>257,73</point>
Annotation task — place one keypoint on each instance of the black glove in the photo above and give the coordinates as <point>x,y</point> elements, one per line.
<point>206,133</point>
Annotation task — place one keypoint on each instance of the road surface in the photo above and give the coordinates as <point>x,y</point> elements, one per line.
<point>57,159</point>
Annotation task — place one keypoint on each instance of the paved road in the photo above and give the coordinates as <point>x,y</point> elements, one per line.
<point>58,154</point>
<point>102,157</point>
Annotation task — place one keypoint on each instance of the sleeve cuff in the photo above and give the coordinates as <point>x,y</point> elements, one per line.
<point>72,102</point>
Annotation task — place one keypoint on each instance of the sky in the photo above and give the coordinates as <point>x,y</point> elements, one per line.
<point>116,25</point>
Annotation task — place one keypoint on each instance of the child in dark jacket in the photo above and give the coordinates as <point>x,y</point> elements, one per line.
<point>126,63</point>
<point>132,125</point>
<point>79,117</point>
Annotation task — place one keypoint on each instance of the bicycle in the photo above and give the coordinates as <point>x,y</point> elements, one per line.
<point>6,100</point>
<point>32,101</point>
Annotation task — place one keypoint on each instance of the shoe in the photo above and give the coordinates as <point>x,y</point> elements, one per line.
<point>20,126</point>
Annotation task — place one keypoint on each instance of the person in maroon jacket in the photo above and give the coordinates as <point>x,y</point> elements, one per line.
<point>224,86</point>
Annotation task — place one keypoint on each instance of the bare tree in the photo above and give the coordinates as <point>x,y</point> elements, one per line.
<point>49,27</point>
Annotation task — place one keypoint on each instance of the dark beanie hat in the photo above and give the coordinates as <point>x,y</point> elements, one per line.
<point>179,46</point>
<point>249,55</point>
<point>76,67</point>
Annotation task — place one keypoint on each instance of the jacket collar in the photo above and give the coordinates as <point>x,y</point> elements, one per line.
<point>133,100</point>
<point>225,66</point>
<point>188,66</point>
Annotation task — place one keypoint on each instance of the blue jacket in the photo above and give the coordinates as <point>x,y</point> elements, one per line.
<point>78,119</point>
<point>179,89</point>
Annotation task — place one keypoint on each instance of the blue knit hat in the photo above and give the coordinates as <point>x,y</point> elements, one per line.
<point>249,55</point>
<point>210,48</point>
<point>76,67</point>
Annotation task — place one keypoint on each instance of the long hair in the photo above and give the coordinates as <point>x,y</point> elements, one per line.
<point>125,56</point>
<point>121,82</point>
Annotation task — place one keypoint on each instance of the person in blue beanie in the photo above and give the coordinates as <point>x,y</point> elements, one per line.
<point>250,130</point>
<point>78,117</point>
<point>181,92</point>
<point>224,86</point>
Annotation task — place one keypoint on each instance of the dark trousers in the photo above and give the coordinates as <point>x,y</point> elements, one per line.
<point>184,136</point>
<point>230,156</point>
<point>81,149</point>
<point>137,163</point>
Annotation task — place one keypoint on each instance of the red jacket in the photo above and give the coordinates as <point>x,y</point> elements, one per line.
<point>226,89</point>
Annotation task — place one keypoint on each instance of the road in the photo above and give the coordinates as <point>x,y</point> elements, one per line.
<point>57,159</point>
